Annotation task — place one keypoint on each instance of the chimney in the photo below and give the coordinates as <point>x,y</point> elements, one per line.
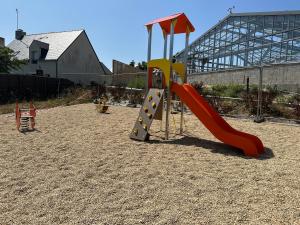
<point>2,42</point>
<point>20,34</point>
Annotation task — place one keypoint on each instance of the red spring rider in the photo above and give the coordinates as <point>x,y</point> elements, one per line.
<point>25,117</point>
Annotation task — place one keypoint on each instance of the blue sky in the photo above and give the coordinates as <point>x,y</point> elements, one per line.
<point>116,27</point>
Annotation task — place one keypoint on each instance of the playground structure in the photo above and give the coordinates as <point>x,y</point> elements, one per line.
<point>101,106</point>
<point>25,117</point>
<point>174,81</point>
<point>152,109</point>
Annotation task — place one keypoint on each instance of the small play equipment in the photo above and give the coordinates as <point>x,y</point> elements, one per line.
<point>174,82</point>
<point>102,107</point>
<point>25,117</point>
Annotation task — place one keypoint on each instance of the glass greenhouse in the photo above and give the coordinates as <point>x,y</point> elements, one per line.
<point>246,39</point>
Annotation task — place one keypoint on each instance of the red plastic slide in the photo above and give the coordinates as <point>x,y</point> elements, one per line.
<point>250,144</point>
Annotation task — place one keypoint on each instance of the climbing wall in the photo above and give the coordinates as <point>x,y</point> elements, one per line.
<point>152,109</point>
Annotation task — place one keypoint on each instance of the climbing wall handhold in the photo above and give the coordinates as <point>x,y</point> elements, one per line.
<point>150,98</point>
<point>146,110</point>
<point>158,93</point>
<point>135,131</point>
<point>145,127</point>
<point>153,105</point>
<point>150,116</point>
<point>141,120</point>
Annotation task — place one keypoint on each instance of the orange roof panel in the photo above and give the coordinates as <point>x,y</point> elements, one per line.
<point>181,25</point>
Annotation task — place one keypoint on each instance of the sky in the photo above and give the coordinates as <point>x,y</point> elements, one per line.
<point>116,27</point>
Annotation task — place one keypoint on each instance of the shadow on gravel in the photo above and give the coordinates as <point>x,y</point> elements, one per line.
<point>215,147</point>
<point>30,131</point>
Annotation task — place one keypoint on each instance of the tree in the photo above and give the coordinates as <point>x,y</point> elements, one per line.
<point>144,65</point>
<point>132,63</point>
<point>141,65</point>
<point>8,60</point>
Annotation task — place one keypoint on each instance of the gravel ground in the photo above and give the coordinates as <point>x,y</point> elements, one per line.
<point>80,167</point>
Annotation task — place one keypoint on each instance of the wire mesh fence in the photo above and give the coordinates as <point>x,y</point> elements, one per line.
<point>245,100</point>
<point>270,91</point>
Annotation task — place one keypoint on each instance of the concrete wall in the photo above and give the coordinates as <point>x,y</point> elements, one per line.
<point>119,67</point>
<point>284,76</point>
<point>125,78</point>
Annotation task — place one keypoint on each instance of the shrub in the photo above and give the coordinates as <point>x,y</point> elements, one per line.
<point>118,94</point>
<point>295,102</point>
<point>231,90</point>
<point>268,96</point>
<point>202,89</point>
<point>137,83</point>
<point>136,97</point>
<point>199,86</point>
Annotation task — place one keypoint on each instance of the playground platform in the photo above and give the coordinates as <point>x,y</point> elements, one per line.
<point>80,167</point>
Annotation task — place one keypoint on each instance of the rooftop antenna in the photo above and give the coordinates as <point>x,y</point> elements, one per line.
<point>17,12</point>
<point>230,10</point>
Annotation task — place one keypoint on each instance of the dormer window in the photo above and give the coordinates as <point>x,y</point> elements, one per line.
<point>34,57</point>
<point>38,51</point>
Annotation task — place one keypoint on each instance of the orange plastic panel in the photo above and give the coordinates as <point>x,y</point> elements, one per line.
<point>183,25</point>
<point>250,144</point>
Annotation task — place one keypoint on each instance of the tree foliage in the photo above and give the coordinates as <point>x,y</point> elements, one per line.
<point>141,65</point>
<point>8,60</point>
<point>132,63</point>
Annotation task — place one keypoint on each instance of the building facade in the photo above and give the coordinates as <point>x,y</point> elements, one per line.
<point>67,55</point>
<point>2,42</point>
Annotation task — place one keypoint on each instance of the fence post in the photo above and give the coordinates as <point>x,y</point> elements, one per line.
<point>259,117</point>
<point>45,89</point>
<point>247,92</point>
<point>58,86</point>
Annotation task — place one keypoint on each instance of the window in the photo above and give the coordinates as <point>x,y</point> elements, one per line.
<point>43,53</point>
<point>39,72</point>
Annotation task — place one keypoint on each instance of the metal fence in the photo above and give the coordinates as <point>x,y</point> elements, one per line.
<point>14,86</point>
<point>263,92</point>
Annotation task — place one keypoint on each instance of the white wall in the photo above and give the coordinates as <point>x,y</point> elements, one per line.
<point>49,68</point>
<point>86,79</point>
<point>79,62</point>
<point>284,76</point>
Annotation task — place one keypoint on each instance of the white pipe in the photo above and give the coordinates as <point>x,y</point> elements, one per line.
<point>187,35</point>
<point>171,78</point>
<point>149,29</point>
